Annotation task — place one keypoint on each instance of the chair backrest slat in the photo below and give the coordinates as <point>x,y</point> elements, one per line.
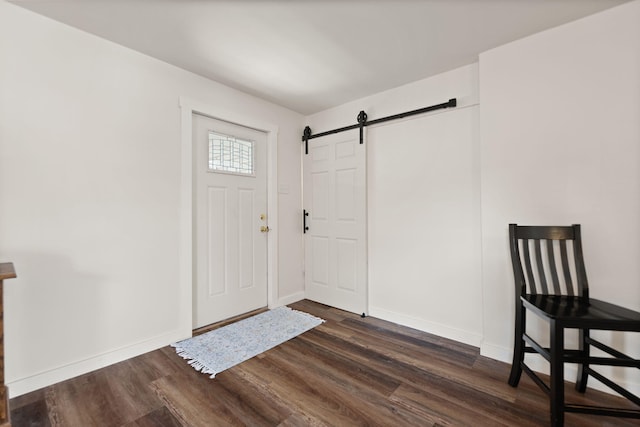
<point>527,263</point>
<point>565,267</point>
<point>533,249</point>
<point>552,267</point>
<point>541,275</point>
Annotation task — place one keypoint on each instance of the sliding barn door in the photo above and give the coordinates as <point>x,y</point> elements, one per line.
<point>336,206</point>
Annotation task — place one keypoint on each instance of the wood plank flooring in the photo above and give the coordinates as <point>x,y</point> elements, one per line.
<point>347,372</point>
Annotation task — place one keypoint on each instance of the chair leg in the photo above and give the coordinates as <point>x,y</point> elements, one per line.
<point>518,345</point>
<point>556,396</point>
<point>583,376</point>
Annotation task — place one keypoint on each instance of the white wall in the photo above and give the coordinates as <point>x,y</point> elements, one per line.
<point>560,138</point>
<point>423,204</point>
<point>90,197</point>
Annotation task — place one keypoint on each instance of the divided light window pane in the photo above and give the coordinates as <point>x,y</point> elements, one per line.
<point>230,154</point>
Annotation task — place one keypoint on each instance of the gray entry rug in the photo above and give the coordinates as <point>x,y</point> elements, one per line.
<point>220,349</point>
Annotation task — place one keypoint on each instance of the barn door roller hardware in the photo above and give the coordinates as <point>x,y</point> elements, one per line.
<point>362,122</point>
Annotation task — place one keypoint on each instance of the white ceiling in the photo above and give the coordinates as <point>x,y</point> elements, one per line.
<point>309,55</point>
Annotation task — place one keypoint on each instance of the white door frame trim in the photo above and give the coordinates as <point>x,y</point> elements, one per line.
<point>188,108</point>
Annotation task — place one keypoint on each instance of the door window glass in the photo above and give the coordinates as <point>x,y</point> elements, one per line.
<point>229,154</point>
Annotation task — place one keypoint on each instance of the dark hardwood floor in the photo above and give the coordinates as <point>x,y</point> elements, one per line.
<point>348,371</point>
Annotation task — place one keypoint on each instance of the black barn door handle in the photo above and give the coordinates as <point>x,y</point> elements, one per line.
<point>305,214</point>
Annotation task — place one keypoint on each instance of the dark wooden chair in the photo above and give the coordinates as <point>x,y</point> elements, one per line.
<point>551,282</point>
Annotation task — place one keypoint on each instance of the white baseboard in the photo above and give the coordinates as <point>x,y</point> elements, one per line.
<point>43,379</point>
<point>496,352</point>
<point>538,364</point>
<point>289,299</point>
<point>427,326</point>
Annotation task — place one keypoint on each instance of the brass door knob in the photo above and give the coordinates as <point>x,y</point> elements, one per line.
<point>265,229</point>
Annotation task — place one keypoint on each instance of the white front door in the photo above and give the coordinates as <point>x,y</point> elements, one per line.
<point>336,241</point>
<point>230,224</point>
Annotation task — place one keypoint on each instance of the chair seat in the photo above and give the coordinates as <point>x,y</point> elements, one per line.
<point>579,312</point>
